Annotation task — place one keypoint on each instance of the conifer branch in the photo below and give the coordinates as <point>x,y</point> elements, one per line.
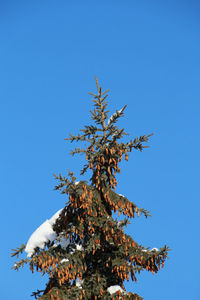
<point>21,263</point>
<point>18,251</point>
<point>37,294</point>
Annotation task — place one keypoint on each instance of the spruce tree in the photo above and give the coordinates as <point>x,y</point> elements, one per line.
<point>83,248</point>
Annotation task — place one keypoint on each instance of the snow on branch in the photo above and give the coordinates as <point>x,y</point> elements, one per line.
<point>114,288</point>
<point>42,235</point>
<point>116,115</point>
<point>151,250</point>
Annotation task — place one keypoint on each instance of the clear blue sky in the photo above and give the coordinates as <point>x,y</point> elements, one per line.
<point>148,54</point>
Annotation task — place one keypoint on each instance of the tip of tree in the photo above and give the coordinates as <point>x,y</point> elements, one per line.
<point>97,83</point>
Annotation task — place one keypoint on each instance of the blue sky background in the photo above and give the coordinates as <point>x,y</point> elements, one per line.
<point>148,54</point>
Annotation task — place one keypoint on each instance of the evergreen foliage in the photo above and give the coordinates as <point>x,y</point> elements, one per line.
<point>90,255</point>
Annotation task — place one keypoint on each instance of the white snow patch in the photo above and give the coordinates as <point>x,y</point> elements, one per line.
<point>64,260</point>
<point>155,249</point>
<point>79,283</point>
<point>114,288</point>
<point>77,182</point>
<point>42,235</point>
<point>79,247</point>
<point>115,114</point>
<point>121,195</point>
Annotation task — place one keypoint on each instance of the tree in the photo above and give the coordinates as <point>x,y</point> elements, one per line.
<point>83,248</point>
